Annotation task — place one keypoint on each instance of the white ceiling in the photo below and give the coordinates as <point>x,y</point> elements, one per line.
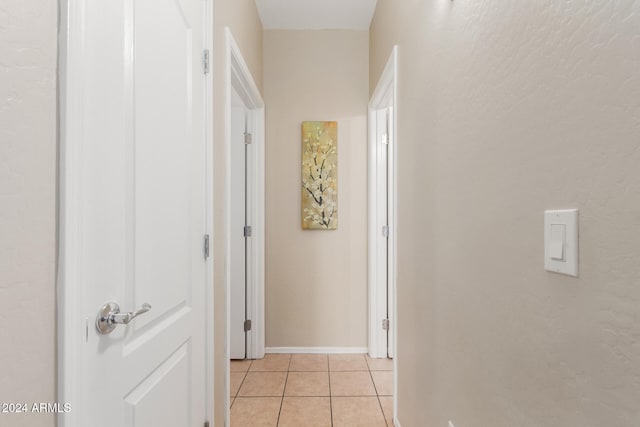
<point>316,14</point>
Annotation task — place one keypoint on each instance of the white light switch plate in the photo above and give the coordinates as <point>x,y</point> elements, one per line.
<point>565,243</point>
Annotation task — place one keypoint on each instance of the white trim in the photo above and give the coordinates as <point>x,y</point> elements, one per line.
<point>316,350</point>
<point>396,423</point>
<point>69,292</point>
<point>210,276</point>
<point>384,96</point>
<point>377,243</point>
<point>238,76</point>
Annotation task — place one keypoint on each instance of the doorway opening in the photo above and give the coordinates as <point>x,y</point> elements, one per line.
<point>245,233</point>
<point>383,227</point>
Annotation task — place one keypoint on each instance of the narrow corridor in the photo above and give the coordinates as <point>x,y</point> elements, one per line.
<point>312,390</point>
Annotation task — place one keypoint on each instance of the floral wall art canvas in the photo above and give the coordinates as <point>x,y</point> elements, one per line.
<point>319,175</point>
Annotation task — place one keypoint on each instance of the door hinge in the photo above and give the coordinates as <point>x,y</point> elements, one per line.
<point>385,231</point>
<point>248,138</point>
<point>385,324</point>
<point>247,231</point>
<point>205,61</point>
<point>206,246</point>
<point>247,325</point>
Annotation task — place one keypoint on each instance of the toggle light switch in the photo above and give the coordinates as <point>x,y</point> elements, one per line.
<point>561,241</point>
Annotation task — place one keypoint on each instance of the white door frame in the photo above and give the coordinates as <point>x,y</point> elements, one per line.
<point>239,77</point>
<point>384,98</point>
<point>70,330</point>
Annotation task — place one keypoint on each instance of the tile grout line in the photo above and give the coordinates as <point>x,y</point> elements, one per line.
<point>382,410</point>
<point>375,387</point>
<point>383,414</point>
<point>235,396</point>
<point>374,383</point>
<point>286,379</point>
<point>330,392</point>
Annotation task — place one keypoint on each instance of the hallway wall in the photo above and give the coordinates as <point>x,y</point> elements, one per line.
<point>507,109</point>
<point>241,16</point>
<point>316,281</point>
<point>28,48</point>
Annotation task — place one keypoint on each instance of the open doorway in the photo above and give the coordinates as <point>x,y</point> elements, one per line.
<point>383,216</point>
<point>244,117</point>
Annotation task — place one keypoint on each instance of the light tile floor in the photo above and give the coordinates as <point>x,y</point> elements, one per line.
<point>312,390</point>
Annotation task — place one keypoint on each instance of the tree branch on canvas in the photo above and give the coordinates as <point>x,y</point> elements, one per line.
<point>319,178</point>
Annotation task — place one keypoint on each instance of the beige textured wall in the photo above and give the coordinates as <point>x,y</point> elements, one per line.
<point>316,288</point>
<point>241,16</point>
<point>28,48</point>
<point>506,109</point>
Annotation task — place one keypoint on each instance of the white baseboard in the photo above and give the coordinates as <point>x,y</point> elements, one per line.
<point>396,423</point>
<point>317,350</point>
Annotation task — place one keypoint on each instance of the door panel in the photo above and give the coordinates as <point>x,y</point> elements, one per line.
<point>382,247</point>
<point>143,213</point>
<point>146,404</point>
<point>237,315</point>
<point>162,178</point>
<point>391,221</point>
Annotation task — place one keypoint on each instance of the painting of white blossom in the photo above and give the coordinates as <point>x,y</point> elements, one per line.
<point>319,175</point>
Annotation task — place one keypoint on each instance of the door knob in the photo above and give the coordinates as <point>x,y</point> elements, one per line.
<point>109,317</point>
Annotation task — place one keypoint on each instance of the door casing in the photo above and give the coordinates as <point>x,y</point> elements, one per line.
<point>384,98</point>
<point>238,77</point>
<point>69,333</point>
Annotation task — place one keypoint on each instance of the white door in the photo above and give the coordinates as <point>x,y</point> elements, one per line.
<point>140,201</point>
<point>238,220</point>
<point>381,237</point>
<point>382,124</point>
<point>390,230</point>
